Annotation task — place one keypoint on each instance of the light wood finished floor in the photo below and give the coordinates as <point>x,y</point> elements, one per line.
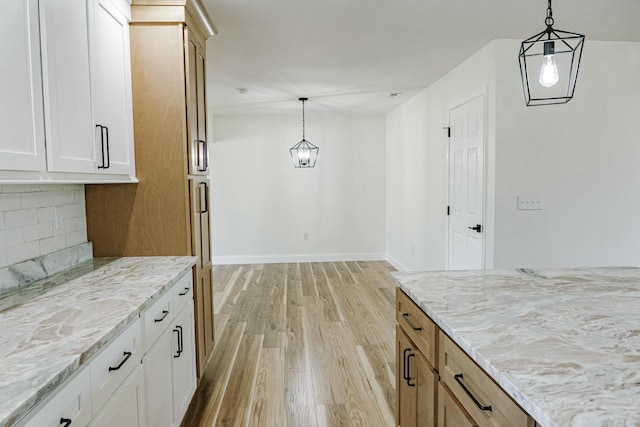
<point>298,345</point>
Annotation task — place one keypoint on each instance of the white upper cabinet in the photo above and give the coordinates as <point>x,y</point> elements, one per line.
<point>67,86</point>
<point>111,88</point>
<point>72,121</point>
<point>22,144</point>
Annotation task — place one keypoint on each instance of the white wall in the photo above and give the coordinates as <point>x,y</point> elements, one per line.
<point>416,147</point>
<point>27,220</point>
<point>582,157</point>
<point>262,206</point>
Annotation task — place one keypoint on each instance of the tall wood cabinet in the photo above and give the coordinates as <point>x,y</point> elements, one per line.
<point>167,212</point>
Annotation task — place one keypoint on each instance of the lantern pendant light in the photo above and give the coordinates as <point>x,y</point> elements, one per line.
<point>549,64</point>
<point>304,153</point>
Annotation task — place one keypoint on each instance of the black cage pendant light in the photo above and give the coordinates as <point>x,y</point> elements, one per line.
<point>549,63</point>
<point>304,153</point>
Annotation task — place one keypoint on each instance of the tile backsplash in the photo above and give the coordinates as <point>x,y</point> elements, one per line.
<point>36,220</point>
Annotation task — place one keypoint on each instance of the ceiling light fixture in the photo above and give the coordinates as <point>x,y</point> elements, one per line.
<point>304,153</point>
<point>549,64</point>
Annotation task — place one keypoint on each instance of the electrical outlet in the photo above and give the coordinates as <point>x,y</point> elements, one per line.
<point>530,203</point>
<point>57,220</point>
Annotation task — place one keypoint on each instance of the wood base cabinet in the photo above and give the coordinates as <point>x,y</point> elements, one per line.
<point>167,212</point>
<point>416,387</point>
<point>438,384</point>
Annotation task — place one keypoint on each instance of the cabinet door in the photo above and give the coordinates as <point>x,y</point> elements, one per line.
<point>126,406</point>
<point>22,144</point>
<point>196,105</point>
<point>450,411</point>
<point>67,87</point>
<point>407,393</point>
<point>71,403</point>
<point>184,362</point>
<point>158,382</point>
<point>111,88</point>
<point>426,380</point>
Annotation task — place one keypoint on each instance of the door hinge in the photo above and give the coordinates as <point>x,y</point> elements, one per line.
<point>448,210</point>
<point>448,128</point>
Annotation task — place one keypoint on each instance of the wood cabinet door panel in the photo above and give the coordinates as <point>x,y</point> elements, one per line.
<point>406,395</point>
<point>450,411</point>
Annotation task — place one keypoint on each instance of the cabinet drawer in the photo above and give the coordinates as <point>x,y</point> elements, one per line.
<point>420,329</point>
<point>72,403</point>
<point>114,363</point>
<point>480,396</point>
<point>183,292</point>
<point>157,318</point>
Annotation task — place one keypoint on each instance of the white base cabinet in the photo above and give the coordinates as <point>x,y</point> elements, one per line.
<point>124,385</point>
<point>170,362</point>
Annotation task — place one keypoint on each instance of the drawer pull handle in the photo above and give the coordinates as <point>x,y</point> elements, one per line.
<point>459,378</point>
<point>127,355</point>
<point>409,370</point>
<point>65,422</point>
<point>414,327</point>
<point>165,313</point>
<point>186,291</point>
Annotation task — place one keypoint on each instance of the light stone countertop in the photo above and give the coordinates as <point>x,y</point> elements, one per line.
<point>52,327</point>
<point>564,344</point>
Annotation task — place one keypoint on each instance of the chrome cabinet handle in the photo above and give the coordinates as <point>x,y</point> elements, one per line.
<point>414,327</point>
<point>165,313</point>
<point>127,355</point>
<point>459,378</point>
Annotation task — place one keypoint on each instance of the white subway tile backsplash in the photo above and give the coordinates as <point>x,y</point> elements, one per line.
<point>21,218</point>
<point>28,220</point>
<point>9,238</point>
<point>23,252</point>
<point>53,244</point>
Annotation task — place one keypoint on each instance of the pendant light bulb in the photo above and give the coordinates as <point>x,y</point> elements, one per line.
<point>549,76</point>
<point>303,157</point>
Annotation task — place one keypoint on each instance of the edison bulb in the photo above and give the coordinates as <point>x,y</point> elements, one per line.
<point>549,71</point>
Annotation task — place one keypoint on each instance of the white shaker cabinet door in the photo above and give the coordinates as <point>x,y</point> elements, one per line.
<point>22,144</point>
<point>111,88</point>
<point>126,406</point>
<point>67,86</point>
<point>158,382</point>
<point>184,361</point>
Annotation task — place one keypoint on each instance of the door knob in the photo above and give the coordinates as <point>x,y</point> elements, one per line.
<point>477,228</point>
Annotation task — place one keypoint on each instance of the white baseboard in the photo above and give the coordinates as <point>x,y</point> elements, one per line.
<point>271,259</point>
<point>397,264</point>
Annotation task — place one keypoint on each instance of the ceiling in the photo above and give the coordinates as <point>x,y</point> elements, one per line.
<point>351,55</point>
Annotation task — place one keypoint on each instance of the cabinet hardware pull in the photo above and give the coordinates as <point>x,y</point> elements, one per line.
<point>204,207</point>
<point>186,291</point>
<point>405,375</point>
<point>203,162</point>
<point>409,370</point>
<point>127,355</point>
<point>65,422</point>
<point>459,378</point>
<point>179,351</point>
<point>165,313</point>
<point>414,327</point>
<point>104,130</point>
<point>180,342</point>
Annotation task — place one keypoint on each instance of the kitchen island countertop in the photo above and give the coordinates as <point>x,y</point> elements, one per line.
<point>54,326</point>
<point>564,344</point>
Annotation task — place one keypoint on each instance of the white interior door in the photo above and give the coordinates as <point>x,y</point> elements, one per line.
<point>466,186</point>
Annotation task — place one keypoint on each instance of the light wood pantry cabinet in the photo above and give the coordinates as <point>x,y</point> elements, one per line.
<point>437,382</point>
<point>68,111</point>
<point>167,212</point>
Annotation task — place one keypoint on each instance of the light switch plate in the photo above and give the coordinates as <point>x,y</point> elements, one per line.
<point>530,203</point>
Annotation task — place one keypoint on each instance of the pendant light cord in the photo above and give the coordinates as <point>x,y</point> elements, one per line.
<point>303,120</point>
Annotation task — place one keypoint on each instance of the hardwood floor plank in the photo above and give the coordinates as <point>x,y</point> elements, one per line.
<point>300,345</point>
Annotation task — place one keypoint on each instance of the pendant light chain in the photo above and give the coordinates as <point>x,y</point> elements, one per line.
<point>549,19</point>
<point>303,120</point>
